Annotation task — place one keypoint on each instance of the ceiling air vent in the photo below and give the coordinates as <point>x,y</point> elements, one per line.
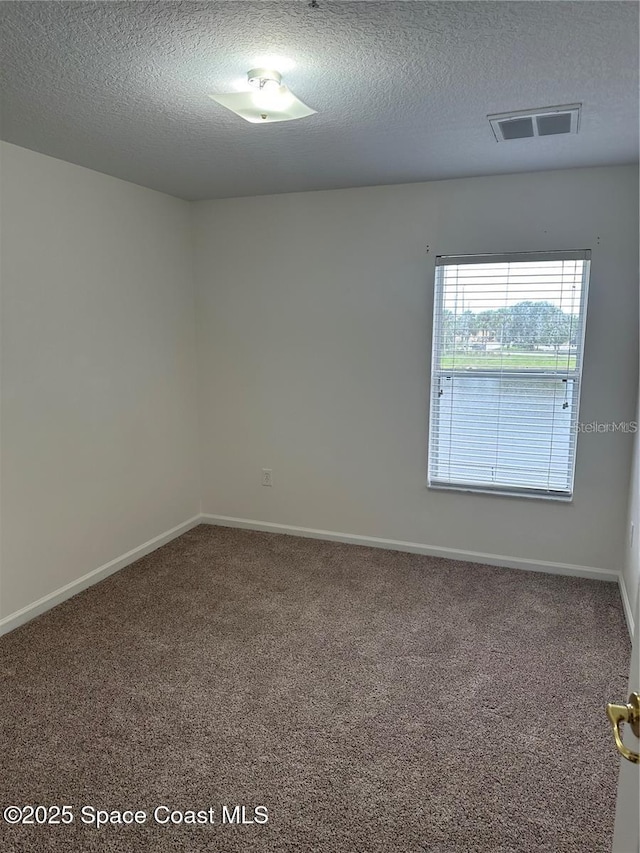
<point>547,121</point>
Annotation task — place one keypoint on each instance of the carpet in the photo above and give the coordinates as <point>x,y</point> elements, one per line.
<point>359,700</point>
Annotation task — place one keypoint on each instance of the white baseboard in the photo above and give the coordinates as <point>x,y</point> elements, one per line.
<point>626,606</point>
<point>14,620</point>
<point>417,548</point>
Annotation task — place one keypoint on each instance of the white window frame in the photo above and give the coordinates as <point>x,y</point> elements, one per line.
<point>438,373</point>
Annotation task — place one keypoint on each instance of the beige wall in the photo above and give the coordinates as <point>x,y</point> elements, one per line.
<point>98,372</point>
<point>314,316</point>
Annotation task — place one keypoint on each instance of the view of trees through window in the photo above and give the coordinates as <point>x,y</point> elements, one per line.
<point>532,333</point>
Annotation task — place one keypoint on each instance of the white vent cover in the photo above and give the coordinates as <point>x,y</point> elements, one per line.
<point>546,121</point>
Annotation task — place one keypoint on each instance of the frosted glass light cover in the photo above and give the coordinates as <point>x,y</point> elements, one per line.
<point>265,107</point>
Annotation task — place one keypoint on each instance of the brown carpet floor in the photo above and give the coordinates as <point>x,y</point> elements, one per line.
<point>371,700</point>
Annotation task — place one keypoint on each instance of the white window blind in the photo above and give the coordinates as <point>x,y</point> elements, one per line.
<point>508,336</point>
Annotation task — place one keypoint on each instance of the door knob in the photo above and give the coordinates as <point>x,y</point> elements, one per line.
<point>629,713</point>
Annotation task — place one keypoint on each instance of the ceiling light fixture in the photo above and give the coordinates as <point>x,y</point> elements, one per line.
<point>269,100</point>
<point>264,78</point>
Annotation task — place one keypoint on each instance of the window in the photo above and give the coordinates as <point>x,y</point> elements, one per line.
<point>506,367</point>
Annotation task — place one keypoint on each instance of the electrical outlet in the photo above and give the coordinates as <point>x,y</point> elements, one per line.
<point>267,477</point>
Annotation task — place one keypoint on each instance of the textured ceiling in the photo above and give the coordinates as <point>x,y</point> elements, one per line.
<point>402,89</point>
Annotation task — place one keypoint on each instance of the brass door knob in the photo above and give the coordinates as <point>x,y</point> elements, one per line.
<point>629,713</point>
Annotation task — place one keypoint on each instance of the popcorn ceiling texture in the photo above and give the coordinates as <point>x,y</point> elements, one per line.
<point>402,89</point>
<point>373,701</point>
